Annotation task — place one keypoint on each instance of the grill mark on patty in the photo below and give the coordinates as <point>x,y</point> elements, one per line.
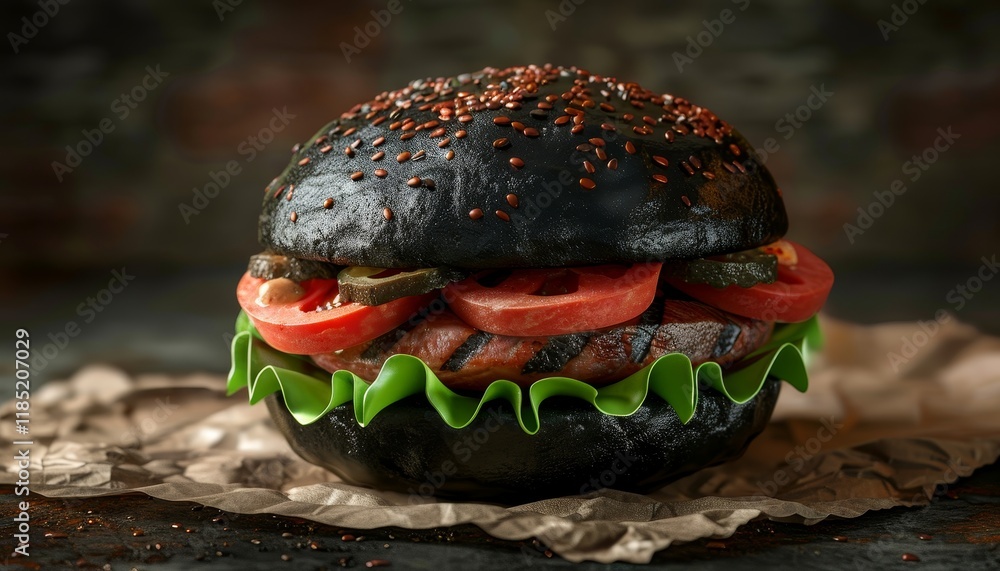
<point>473,344</point>
<point>645,331</point>
<point>556,353</point>
<point>728,337</point>
<point>383,344</point>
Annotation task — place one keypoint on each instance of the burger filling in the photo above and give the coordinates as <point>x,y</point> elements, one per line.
<point>598,324</point>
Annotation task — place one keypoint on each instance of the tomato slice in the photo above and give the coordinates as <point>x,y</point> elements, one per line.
<point>797,294</point>
<point>553,301</point>
<point>316,323</point>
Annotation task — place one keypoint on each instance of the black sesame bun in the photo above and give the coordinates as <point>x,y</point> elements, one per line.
<point>529,167</point>
<point>494,169</point>
<point>576,450</point>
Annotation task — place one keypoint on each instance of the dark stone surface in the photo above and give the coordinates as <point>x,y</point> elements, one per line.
<point>577,449</point>
<point>963,522</point>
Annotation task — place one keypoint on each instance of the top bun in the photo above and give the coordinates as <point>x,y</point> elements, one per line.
<point>521,167</point>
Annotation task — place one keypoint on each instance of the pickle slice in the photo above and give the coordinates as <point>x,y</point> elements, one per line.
<point>375,286</point>
<point>272,266</point>
<point>745,269</point>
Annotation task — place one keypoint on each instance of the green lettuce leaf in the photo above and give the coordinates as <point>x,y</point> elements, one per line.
<point>310,392</point>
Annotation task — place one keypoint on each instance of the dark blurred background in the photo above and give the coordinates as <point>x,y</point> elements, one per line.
<point>183,88</point>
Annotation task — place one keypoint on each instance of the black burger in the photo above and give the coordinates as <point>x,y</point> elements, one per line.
<point>520,283</point>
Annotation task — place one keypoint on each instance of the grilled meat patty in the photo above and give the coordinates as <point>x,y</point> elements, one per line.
<point>466,358</point>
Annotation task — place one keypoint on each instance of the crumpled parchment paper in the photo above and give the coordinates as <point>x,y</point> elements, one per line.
<point>864,437</point>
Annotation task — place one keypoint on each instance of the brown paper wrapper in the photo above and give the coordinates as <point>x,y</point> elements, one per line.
<point>864,437</point>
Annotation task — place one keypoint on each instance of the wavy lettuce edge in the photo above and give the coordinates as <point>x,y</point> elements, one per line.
<point>310,393</point>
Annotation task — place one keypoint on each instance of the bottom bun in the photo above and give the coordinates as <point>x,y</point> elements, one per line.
<point>408,448</point>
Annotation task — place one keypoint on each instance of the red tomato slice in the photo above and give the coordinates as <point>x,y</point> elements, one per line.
<point>797,294</point>
<point>316,324</point>
<point>553,301</point>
